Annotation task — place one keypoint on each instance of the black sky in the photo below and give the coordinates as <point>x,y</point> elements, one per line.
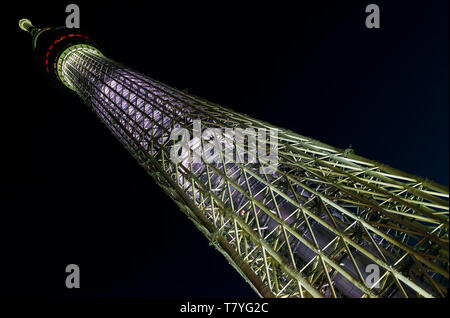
<point>72,194</point>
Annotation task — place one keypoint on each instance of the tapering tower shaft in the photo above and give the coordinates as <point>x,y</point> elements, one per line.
<point>296,217</point>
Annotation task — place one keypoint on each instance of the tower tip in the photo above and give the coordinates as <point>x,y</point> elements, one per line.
<point>25,24</point>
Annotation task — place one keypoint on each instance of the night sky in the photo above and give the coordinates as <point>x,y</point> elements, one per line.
<point>71,192</point>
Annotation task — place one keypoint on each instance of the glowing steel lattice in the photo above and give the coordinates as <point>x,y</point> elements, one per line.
<point>310,228</point>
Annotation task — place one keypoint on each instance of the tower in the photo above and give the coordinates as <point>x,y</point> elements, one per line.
<point>295,217</point>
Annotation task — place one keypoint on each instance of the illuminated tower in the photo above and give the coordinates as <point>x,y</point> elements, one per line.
<point>316,222</point>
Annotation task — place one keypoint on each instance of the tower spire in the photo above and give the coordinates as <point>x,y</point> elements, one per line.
<point>27,26</point>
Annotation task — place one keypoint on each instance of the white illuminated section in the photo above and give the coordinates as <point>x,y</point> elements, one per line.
<point>142,113</point>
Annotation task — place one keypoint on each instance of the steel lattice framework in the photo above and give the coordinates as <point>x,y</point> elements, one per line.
<point>310,228</point>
